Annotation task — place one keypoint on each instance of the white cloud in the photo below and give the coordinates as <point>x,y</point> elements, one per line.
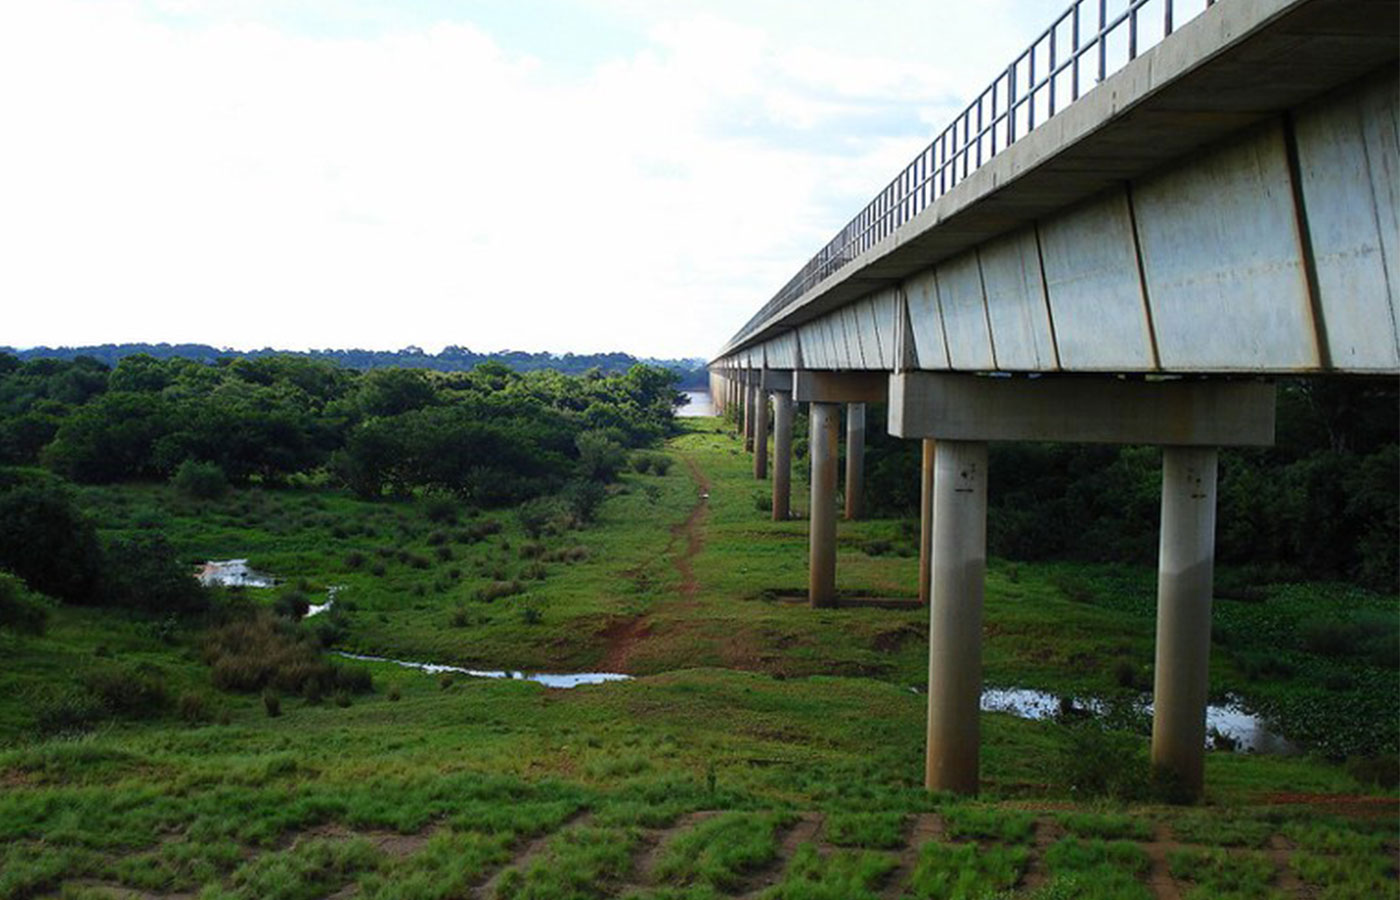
<point>242,184</point>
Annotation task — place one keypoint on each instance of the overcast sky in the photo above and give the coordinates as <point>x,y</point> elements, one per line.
<point>582,175</point>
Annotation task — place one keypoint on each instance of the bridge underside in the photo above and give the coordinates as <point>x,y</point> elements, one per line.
<point>1223,210</point>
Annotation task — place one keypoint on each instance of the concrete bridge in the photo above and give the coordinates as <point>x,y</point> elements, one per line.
<point>1149,214</point>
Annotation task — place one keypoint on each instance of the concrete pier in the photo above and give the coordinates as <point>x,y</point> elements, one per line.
<point>955,616</point>
<point>760,437</point>
<point>782,455</point>
<point>855,461</point>
<point>926,519</point>
<point>826,420</point>
<point>750,411</point>
<point>1185,581</point>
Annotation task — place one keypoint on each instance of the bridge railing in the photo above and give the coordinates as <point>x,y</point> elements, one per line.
<point>1089,41</point>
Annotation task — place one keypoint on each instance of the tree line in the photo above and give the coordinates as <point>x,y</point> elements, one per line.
<point>692,372</point>
<point>1322,502</point>
<point>486,437</point>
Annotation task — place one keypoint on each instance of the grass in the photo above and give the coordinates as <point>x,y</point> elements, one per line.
<point>719,852</point>
<point>745,705</point>
<point>1098,869</point>
<point>965,871</point>
<point>1217,873</point>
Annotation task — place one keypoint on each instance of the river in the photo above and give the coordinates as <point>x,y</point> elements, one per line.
<point>699,405</point>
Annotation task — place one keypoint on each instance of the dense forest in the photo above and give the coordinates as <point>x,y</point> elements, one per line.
<point>692,374</point>
<point>484,438</point>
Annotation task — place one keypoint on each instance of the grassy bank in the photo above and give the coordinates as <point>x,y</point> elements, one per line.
<point>765,749</point>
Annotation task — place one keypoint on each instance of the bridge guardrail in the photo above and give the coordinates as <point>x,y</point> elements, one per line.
<point>1045,77</point>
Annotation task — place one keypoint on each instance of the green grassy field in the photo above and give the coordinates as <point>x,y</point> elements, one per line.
<point>764,750</point>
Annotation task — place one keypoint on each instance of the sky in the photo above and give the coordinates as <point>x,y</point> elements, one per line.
<point>560,175</point>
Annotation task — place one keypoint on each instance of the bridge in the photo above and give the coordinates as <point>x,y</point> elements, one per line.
<point>1154,210</point>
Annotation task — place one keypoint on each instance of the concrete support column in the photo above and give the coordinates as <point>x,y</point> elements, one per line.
<point>926,520</point>
<point>760,437</point>
<point>959,550</point>
<point>750,408</point>
<point>782,455</point>
<point>855,460</point>
<point>821,585</point>
<point>1185,581</point>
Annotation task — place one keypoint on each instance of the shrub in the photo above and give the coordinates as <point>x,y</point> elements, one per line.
<point>291,604</point>
<point>498,589</point>
<point>193,708</point>
<point>441,509</point>
<point>272,704</point>
<point>600,457</point>
<point>342,699</point>
<point>66,710</point>
<point>137,691</point>
<point>261,652</point>
<point>531,615</point>
<point>21,611</point>
<point>354,559</point>
<point>394,693</point>
<point>1101,763</point>
<point>200,480</point>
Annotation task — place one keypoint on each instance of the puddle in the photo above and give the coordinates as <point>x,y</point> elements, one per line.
<point>1243,730</point>
<point>317,609</point>
<point>554,681</point>
<point>233,573</point>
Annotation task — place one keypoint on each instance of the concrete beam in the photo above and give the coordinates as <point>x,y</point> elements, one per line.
<point>1100,410</point>
<point>809,386</point>
<point>777,380</point>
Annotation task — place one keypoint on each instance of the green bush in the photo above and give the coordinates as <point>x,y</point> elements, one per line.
<point>66,709</point>
<point>21,611</point>
<point>200,480</point>
<point>137,691</point>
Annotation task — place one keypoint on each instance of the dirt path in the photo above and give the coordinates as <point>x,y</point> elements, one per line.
<point>924,827</point>
<point>690,534</point>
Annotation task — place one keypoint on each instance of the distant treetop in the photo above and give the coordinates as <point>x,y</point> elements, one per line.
<point>453,358</point>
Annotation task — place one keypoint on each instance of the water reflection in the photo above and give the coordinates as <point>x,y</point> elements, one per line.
<point>1228,725</point>
<point>555,681</point>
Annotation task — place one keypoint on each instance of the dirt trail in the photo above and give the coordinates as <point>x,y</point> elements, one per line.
<point>1159,876</point>
<point>925,827</point>
<point>624,636</point>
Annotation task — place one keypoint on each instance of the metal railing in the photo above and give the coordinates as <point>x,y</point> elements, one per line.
<point>1044,78</point>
